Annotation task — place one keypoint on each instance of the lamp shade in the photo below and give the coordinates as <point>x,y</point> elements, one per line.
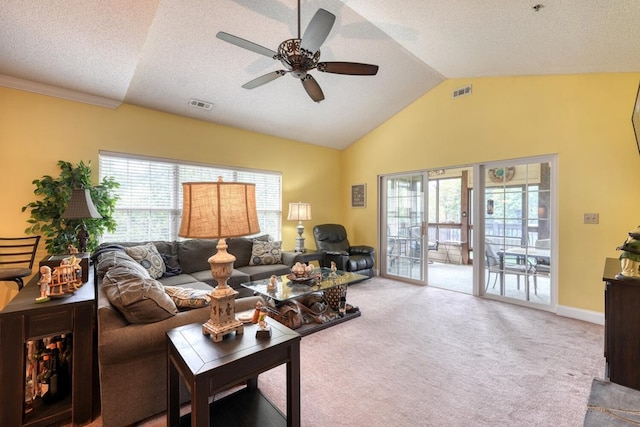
<point>218,209</point>
<point>80,206</point>
<point>299,212</point>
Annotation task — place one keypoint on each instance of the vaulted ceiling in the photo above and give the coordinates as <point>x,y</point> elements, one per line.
<point>161,54</point>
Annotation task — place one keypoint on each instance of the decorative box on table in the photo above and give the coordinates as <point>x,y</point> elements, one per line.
<point>55,260</point>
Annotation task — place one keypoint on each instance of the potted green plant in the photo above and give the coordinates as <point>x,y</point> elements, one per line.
<point>55,193</point>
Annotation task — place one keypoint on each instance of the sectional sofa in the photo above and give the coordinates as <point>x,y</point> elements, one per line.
<point>146,288</point>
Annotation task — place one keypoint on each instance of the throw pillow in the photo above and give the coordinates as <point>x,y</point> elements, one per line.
<point>140,299</point>
<point>172,268</point>
<point>149,257</point>
<point>108,260</point>
<point>266,253</point>
<point>187,297</point>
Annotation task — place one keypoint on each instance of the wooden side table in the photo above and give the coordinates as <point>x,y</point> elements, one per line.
<point>621,327</point>
<point>209,367</point>
<point>23,320</point>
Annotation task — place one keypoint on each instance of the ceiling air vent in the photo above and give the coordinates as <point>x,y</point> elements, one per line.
<point>461,92</point>
<point>203,105</point>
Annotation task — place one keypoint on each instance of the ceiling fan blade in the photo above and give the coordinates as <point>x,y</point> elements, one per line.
<point>312,87</point>
<point>246,44</point>
<point>351,68</point>
<point>259,81</point>
<point>318,30</point>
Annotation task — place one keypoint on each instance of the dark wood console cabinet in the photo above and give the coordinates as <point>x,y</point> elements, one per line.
<point>23,320</point>
<point>621,327</point>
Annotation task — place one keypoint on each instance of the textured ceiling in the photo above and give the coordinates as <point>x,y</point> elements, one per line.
<point>160,54</point>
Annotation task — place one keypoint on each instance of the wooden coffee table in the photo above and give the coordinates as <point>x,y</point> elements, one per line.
<point>209,368</point>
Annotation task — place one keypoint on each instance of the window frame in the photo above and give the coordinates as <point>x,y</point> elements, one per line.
<point>137,209</point>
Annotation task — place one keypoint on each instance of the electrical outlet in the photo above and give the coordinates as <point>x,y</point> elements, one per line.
<point>591,218</point>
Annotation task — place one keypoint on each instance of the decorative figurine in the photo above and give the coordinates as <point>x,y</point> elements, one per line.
<point>45,280</point>
<point>72,249</point>
<point>69,273</point>
<point>75,278</point>
<point>630,256</point>
<point>83,237</point>
<point>273,281</point>
<point>342,306</point>
<point>333,276</point>
<point>264,330</point>
<point>256,313</point>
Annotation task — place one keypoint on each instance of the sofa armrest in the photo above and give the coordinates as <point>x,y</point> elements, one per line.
<point>120,344</point>
<point>117,344</point>
<point>248,303</point>
<point>290,258</point>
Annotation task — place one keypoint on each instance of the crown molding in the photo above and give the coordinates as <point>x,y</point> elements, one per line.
<point>58,92</point>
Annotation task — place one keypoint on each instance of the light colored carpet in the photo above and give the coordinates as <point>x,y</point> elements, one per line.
<point>424,356</point>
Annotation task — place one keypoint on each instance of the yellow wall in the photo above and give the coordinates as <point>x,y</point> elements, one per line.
<point>36,131</point>
<point>585,119</point>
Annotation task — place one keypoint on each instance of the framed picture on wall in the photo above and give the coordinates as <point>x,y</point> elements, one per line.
<point>359,196</point>
<point>635,119</point>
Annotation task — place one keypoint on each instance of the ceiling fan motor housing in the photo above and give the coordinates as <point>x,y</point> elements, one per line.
<point>298,61</point>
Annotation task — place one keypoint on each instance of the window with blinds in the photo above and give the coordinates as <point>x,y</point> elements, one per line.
<point>150,195</point>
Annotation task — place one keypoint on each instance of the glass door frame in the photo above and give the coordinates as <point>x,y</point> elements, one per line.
<point>389,242</point>
<point>479,214</point>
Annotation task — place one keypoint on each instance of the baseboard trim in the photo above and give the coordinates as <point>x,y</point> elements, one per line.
<point>581,314</point>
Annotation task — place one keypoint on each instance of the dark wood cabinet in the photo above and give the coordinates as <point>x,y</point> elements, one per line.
<point>23,320</point>
<point>622,327</point>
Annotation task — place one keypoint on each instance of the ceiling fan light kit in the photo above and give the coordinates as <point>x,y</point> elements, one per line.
<point>301,55</point>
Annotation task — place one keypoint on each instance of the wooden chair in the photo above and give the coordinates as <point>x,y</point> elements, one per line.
<point>16,258</point>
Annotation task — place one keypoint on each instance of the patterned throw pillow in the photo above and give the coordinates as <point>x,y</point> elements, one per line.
<point>138,297</point>
<point>266,253</point>
<point>187,297</point>
<point>149,257</point>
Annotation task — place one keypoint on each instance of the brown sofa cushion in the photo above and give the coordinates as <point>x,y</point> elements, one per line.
<point>193,254</point>
<point>138,297</point>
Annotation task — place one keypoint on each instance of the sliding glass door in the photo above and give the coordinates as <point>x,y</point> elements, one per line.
<point>486,229</point>
<point>403,251</point>
<point>518,231</point>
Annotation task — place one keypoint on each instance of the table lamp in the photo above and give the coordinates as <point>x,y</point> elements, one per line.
<point>217,210</point>
<point>299,212</point>
<point>80,207</point>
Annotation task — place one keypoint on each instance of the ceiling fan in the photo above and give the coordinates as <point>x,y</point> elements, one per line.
<point>301,55</point>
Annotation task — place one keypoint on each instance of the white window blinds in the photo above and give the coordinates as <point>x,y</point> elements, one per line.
<point>150,195</point>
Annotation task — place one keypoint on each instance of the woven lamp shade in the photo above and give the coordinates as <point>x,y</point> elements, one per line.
<point>213,210</point>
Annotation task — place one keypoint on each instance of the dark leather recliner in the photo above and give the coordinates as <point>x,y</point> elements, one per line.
<point>332,240</point>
